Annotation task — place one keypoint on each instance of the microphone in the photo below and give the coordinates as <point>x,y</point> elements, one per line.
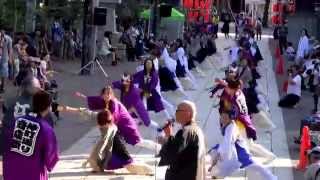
<point>170,122</point>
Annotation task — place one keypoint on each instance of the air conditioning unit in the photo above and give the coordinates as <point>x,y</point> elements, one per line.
<point>111,1</point>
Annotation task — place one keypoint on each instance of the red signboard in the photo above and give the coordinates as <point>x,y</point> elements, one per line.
<point>198,8</point>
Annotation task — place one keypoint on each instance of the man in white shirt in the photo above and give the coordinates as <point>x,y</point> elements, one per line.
<point>313,170</point>
<point>294,89</point>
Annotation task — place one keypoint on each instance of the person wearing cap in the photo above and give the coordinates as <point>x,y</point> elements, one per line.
<point>313,170</point>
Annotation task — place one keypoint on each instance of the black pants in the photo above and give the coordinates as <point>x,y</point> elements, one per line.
<point>282,43</point>
<point>130,53</point>
<point>315,102</point>
<point>289,101</point>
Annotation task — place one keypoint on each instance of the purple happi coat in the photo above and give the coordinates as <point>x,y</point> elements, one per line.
<point>127,126</point>
<point>31,149</point>
<point>131,99</point>
<point>241,111</point>
<point>154,102</point>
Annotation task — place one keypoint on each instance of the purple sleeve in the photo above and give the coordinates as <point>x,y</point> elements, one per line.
<point>154,81</point>
<point>95,103</point>
<point>142,112</point>
<point>51,152</point>
<point>136,77</point>
<point>116,84</point>
<point>127,127</point>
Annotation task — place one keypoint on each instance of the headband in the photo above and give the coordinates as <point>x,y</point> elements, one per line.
<point>126,77</point>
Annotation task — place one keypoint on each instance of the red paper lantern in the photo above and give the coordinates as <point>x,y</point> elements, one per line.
<point>277,7</point>
<point>188,3</point>
<point>276,19</point>
<point>203,6</point>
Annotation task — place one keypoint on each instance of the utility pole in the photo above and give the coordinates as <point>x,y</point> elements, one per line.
<point>154,17</point>
<point>89,35</point>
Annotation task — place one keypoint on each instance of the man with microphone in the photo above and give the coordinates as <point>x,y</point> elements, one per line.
<point>185,152</point>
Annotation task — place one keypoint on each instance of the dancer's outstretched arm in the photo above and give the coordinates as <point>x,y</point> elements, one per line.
<point>80,95</point>
<point>80,110</point>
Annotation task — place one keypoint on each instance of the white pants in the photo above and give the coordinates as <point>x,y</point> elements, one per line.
<point>192,78</point>
<point>180,88</point>
<point>257,169</point>
<point>254,171</point>
<point>259,149</point>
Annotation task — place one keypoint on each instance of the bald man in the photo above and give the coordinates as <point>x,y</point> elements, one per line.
<point>185,152</point>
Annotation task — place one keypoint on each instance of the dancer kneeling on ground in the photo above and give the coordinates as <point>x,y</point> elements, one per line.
<point>127,126</point>
<point>110,153</point>
<point>232,154</point>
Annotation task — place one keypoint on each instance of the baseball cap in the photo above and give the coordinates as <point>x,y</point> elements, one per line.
<point>315,150</point>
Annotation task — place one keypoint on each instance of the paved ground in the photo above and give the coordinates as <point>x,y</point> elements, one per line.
<point>72,156</point>
<point>76,135</point>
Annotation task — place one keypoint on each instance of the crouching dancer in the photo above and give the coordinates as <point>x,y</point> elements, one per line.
<point>127,126</point>
<point>110,153</point>
<point>232,154</point>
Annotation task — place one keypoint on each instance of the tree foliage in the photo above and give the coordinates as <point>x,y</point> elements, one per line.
<point>66,9</point>
<point>8,10</point>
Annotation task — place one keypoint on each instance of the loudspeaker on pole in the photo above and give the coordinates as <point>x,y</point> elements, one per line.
<point>100,16</point>
<point>165,10</point>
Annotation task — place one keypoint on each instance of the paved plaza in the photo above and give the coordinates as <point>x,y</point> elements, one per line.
<point>76,135</point>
